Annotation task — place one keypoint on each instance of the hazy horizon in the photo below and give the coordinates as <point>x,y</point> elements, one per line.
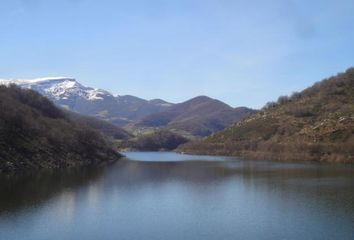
<point>242,53</point>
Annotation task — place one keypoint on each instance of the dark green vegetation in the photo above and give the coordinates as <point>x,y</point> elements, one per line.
<point>200,116</point>
<point>316,124</point>
<point>35,134</point>
<point>156,141</point>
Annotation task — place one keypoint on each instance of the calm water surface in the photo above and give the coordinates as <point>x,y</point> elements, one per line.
<point>169,196</point>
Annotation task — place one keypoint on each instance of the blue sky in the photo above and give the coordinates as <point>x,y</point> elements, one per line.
<point>241,52</point>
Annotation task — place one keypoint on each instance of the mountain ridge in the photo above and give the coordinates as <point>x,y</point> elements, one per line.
<point>199,116</point>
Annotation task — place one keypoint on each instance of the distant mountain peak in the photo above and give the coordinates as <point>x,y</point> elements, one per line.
<point>202,97</point>
<point>57,88</point>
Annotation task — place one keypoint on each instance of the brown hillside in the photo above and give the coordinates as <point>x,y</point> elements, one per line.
<point>316,124</point>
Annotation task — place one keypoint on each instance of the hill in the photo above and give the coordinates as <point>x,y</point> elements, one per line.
<point>200,116</point>
<point>316,124</point>
<point>35,134</point>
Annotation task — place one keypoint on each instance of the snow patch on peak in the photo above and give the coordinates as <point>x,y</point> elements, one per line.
<point>96,94</point>
<point>60,88</point>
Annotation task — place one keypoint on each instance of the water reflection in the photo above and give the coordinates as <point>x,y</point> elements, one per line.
<point>145,197</point>
<point>33,189</point>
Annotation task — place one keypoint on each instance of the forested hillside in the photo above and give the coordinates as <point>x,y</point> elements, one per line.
<point>36,134</point>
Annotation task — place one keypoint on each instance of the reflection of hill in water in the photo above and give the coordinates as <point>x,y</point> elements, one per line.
<point>324,185</point>
<point>34,189</point>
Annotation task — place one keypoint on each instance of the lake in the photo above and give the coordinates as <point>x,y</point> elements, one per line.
<point>172,196</point>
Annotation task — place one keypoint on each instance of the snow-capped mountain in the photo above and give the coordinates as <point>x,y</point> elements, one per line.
<point>70,94</point>
<point>58,88</point>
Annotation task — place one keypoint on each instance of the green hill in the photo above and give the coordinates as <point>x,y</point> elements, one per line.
<point>316,124</point>
<point>35,134</point>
